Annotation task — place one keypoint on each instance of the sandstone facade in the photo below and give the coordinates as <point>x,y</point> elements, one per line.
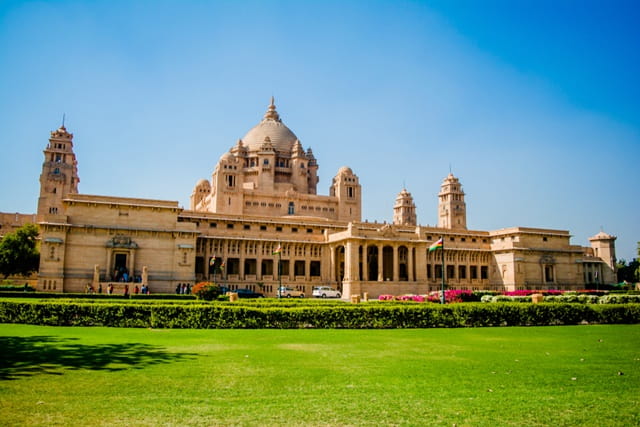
<point>259,222</point>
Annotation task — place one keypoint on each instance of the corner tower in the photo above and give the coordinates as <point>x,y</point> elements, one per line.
<point>604,247</point>
<point>404,210</point>
<point>452,210</point>
<point>59,175</point>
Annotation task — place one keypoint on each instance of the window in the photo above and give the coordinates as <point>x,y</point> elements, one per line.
<point>278,228</point>
<point>212,225</point>
<point>291,209</point>
<point>309,230</point>
<point>484,272</point>
<point>473,271</point>
<point>265,162</point>
<point>263,228</point>
<point>231,181</point>
<point>314,268</point>
<point>544,239</point>
<point>294,230</point>
<point>247,227</point>
<point>230,226</point>
<point>350,192</point>
<point>548,273</point>
<point>462,272</point>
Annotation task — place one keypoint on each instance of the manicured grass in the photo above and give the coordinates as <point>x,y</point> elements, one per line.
<point>536,376</point>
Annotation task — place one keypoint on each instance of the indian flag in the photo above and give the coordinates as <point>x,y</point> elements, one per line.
<point>222,265</point>
<point>437,245</point>
<point>278,250</point>
<point>212,261</point>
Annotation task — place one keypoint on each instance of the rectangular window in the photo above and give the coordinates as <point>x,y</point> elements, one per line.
<point>473,271</point>
<point>484,272</point>
<point>451,272</point>
<point>314,268</point>
<point>438,271</point>
<point>299,268</point>
<point>462,272</point>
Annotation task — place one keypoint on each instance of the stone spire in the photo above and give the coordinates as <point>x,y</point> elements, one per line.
<point>271,113</point>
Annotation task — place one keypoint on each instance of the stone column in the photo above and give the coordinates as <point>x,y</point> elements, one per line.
<point>365,264</point>
<point>410,275</point>
<point>259,262</point>
<point>380,264</point>
<point>108,263</point>
<point>96,277</point>
<point>243,245</point>
<point>132,261</point>
<point>421,265</point>
<point>396,265</point>
<point>207,255</point>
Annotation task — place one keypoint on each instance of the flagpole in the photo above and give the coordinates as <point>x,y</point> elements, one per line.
<point>443,300</point>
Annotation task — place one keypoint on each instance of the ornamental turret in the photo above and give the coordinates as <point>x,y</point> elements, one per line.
<point>452,209</point>
<point>404,210</point>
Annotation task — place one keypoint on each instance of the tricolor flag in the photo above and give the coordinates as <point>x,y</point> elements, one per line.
<point>278,250</point>
<point>437,245</point>
<point>222,265</point>
<point>212,261</point>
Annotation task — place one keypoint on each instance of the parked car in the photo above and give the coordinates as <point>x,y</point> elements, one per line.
<point>243,293</point>
<point>248,293</point>
<point>325,292</point>
<point>288,292</point>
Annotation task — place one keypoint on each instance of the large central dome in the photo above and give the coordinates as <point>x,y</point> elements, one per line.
<point>271,126</point>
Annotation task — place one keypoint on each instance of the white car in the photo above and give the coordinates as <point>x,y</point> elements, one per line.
<point>325,292</point>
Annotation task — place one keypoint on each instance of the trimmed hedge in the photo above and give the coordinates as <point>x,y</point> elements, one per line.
<point>356,316</point>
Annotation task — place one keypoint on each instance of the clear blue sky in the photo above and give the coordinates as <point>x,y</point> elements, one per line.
<point>535,105</point>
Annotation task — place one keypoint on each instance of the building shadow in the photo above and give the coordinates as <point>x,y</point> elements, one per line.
<point>26,356</point>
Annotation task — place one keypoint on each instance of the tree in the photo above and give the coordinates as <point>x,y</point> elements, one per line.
<point>18,251</point>
<point>628,272</point>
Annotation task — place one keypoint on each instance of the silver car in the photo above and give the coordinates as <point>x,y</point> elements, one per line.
<point>325,292</point>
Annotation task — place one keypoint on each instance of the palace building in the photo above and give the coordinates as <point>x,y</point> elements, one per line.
<point>259,222</point>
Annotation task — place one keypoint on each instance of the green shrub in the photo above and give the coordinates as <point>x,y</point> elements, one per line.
<point>159,314</point>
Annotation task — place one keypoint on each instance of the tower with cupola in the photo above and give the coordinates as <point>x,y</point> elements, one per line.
<point>404,209</point>
<point>59,175</point>
<point>452,209</point>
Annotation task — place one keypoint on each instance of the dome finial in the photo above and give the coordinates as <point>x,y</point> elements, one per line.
<point>271,113</point>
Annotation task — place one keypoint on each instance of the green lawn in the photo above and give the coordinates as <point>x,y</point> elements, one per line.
<point>536,376</point>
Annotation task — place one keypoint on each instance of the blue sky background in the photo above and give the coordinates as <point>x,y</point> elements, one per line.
<point>535,105</point>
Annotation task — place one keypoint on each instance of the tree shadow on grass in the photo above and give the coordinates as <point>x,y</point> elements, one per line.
<point>25,356</point>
